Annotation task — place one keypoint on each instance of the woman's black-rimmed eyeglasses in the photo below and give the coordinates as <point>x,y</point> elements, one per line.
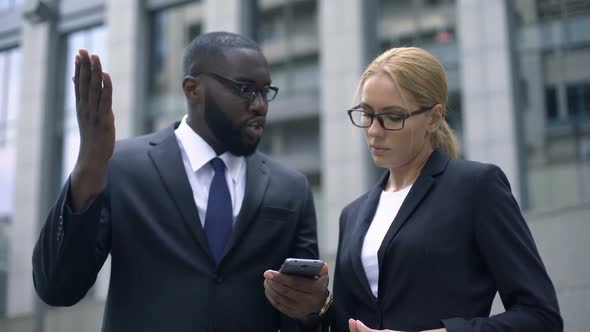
<point>244,90</point>
<point>389,121</point>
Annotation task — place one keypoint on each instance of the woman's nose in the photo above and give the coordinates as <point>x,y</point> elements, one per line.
<point>375,128</point>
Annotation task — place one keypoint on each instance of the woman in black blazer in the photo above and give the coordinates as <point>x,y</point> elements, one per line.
<point>428,247</point>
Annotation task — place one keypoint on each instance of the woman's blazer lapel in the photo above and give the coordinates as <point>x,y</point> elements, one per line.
<point>363,221</point>
<point>435,165</point>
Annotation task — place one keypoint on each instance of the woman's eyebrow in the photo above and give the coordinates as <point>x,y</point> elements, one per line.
<point>394,108</point>
<point>386,108</point>
<point>363,104</point>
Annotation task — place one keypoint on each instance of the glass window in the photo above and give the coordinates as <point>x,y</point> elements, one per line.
<point>549,10</point>
<point>289,27</point>
<point>578,100</point>
<point>295,143</point>
<point>9,101</point>
<point>288,35</point>
<point>431,25</point>
<point>551,103</point>
<point>171,30</point>
<point>297,77</point>
<point>417,23</point>
<point>92,40</point>
<point>553,48</point>
<point>289,39</point>
<point>9,94</point>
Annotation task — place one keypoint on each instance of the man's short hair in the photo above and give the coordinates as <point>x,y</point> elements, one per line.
<point>207,48</point>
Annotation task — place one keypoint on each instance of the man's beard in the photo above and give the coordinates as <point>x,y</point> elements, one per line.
<point>229,135</point>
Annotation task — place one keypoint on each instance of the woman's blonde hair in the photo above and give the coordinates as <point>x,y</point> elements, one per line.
<point>418,73</point>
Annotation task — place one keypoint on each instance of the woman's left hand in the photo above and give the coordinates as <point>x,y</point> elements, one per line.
<point>358,326</point>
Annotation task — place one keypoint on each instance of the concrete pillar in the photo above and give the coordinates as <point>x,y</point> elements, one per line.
<point>32,172</point>
<point>126,45</point>
<point>127,50</point>
<point>223,16</point>
<point>345,170</point>
<point>490,114</point>
<point>237,16</point>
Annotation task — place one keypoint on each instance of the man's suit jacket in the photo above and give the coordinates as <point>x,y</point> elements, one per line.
<point>163,277</point>
<point>458,237</point>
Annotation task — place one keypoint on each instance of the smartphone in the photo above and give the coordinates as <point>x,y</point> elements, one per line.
<point>309,268</point>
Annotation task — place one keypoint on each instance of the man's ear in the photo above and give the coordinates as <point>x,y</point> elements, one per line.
<point>435,117</point>
<point>193,90</point>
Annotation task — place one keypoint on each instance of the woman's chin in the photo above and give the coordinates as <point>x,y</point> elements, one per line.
<point>380,161</point>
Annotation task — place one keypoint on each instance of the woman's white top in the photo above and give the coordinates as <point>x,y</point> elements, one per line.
<point>389,204</point>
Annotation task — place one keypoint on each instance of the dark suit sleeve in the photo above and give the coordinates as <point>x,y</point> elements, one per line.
<point>506,244</point>
<point>71,249</point>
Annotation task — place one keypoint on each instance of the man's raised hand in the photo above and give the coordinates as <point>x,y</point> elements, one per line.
<point>96,123</point>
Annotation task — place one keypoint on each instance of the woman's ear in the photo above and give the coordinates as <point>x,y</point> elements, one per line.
<point>435,117</point>
<point>193,89</point>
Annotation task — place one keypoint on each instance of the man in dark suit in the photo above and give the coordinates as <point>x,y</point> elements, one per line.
<point>191,215</point>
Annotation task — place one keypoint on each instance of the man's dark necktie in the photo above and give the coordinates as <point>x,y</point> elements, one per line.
<point>219,220</point>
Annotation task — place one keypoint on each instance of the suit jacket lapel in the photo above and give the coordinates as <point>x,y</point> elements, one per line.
<point>257,177</point>
<point>167,159</point>
<point>366,215</point>
<point>434,166</point>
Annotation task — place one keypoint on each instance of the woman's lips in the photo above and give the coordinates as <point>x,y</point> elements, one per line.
<point>377,150</point>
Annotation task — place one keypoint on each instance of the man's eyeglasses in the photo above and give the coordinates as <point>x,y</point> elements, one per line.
<point>389,121</point>
<point>245,90</point>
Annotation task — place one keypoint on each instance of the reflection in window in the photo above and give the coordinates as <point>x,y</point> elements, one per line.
<point>92,40</point>
<point>9,100</point>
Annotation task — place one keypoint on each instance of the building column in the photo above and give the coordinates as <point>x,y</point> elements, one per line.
<point>127,47</point>
<point>126,44</point>
<point>347,170</point>
<point>33,149</point>
<point>491,116</point>
<point>236,16</point>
